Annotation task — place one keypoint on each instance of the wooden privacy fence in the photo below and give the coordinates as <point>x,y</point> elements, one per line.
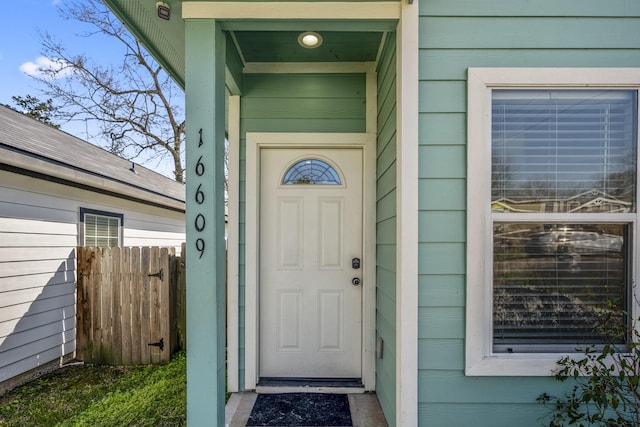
<point>130,305</point>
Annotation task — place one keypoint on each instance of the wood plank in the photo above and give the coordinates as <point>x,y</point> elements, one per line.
<point>97,307</point>
<point>145,308</point>
<point>182,298</point>
<point>81,303</point>
<point>154,306</point>
<point>116,305</point>
<point>106,291</point>
<point>125,318</point>
<point>136,304</point>
<point>164,313</point>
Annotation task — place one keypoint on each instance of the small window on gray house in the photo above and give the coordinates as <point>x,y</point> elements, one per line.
<point>311,171</point>
<point>101,229</point>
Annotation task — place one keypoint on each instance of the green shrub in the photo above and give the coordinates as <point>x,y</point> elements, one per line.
<point>605,381</point>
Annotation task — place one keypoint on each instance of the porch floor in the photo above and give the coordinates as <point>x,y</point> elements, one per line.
<point>365,410</point>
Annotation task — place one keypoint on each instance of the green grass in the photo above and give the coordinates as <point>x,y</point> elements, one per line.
<point>92,395</point>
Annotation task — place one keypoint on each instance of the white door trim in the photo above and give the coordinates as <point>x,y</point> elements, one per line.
<point>233,237</point>
<point>255,141</point>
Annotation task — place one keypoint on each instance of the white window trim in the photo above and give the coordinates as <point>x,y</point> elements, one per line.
<point>479,358</point>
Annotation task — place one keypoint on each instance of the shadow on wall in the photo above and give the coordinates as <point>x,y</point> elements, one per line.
<point>37,317</point>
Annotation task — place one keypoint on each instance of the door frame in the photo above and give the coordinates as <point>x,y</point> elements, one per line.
<point>256,141</point>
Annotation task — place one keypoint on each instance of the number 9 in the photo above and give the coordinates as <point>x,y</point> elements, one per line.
<point>200,247</point>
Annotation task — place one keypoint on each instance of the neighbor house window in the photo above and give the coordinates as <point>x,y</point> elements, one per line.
<point>552,214</point>
<point>101,229</point>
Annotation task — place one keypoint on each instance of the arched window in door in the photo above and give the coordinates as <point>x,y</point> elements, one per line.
<point>311,171</point>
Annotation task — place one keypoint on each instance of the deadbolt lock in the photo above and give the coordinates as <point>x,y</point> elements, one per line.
<point>355,263</point>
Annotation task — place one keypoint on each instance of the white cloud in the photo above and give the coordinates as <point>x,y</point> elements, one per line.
<point>44,67</point>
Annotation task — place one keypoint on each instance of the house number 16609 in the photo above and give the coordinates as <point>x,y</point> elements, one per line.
<point>200,221</point>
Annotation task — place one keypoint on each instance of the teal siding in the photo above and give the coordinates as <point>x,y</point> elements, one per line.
<point>386,230</point>
<point>456,35</point>
<point>293,103</point>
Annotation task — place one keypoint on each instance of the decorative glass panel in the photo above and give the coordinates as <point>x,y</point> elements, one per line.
<point>563,151</point>
<point>553,284</point>
<point>311,171</point>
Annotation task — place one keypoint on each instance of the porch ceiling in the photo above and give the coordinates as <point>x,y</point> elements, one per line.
<point>256,41</point>
<point>282,46</point>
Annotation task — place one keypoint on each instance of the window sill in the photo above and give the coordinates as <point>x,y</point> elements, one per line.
<point>538,365</point>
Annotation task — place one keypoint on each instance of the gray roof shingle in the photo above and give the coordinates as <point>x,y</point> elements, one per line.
<point>28,144</point>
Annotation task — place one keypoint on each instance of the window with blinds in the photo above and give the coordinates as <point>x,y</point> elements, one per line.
<point>563,203</point>
<point>101,230</point>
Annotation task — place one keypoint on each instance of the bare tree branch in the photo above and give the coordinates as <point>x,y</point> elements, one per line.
<point>133,102</point>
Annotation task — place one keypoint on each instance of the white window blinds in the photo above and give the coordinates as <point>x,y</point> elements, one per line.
<point>559,152</point>
<point>101,231</point>
<point>563,150</point>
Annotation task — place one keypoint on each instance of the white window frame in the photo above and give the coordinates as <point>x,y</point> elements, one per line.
<point>480,359</point>
<point>97,213</point>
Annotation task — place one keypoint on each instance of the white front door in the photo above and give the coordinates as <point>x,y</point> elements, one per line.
<point>311,227</point>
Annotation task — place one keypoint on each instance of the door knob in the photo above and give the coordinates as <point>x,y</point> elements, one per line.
<point>355,281</point>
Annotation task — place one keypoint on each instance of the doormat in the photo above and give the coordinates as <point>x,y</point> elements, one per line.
<point>301,409</point>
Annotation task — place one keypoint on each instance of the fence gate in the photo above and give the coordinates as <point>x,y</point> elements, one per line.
<point>125,314</point>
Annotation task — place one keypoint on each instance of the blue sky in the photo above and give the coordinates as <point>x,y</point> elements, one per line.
<point>20,47</point>
<point>20,51</point>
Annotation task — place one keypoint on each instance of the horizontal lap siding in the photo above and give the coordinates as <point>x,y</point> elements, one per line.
<point>292,103</point>
<point>386,230</point>
<point>38,239</point>
<point>37,284</point>
<point>456,35</point>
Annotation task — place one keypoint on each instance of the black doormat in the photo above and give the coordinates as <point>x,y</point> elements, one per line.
<point>301,409</point>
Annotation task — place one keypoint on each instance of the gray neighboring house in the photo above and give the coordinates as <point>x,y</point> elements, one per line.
<point>58,192</point>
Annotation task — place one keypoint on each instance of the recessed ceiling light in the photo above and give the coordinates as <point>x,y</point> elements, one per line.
<point>310,39</point>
